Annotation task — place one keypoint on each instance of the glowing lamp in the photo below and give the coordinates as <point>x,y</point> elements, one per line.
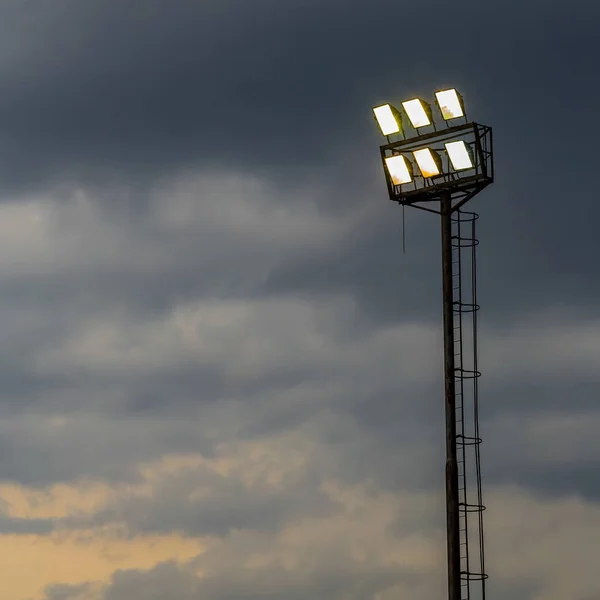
<point>388,118</point>
<point>450,103</point>
<point>418,111</point>
<point>460,155</point>
<point>399,168</point>
<point>429,162</point>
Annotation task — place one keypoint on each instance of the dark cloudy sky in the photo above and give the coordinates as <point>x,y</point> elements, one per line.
<point>220,378</point>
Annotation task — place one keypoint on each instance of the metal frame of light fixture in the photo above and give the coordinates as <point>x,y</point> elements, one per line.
<point>461,184</point>
<point>445,194</point>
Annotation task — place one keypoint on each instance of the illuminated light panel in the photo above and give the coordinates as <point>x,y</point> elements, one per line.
<point>450,103</point>
<point>460,155</point>
<point>388,121</point>
<point>428,161</point>
<point>399,168</point>
<point>418,112</point>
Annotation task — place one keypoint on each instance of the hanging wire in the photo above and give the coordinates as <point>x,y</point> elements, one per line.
<point>403,230</point>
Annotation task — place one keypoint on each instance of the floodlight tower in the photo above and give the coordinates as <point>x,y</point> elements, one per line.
<point>453,164</point>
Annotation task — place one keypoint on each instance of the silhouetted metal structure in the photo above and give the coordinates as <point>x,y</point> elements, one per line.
<point>453,165</point>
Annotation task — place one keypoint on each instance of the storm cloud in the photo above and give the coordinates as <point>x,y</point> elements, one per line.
<point>221,376</point>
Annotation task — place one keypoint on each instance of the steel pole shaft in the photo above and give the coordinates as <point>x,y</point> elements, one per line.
<point>452,508</point>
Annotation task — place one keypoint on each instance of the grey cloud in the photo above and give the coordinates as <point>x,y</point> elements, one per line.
<point>168,580</point>
<point>191,75</point>
<point>84,591</point>
<point>532,552</point>
<point>40,453</point>
<point>554,480</point>
<point>514,224</point>
<point>116,103</point>
<point>13,525</point>
<point>204,503</point>
<point>336,581</point>
<point>169,397</point>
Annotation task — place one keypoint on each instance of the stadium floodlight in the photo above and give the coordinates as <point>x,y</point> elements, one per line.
<point>418,111</point>
<point>388,118</point>
<point>429,162</point>
<point>400,169</point>
<point>460,155</point>
<point>451,104</point>
<point>439,170</point>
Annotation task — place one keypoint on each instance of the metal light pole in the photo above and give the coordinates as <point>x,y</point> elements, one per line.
<point>452,500</point>
<point>452,165</point>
